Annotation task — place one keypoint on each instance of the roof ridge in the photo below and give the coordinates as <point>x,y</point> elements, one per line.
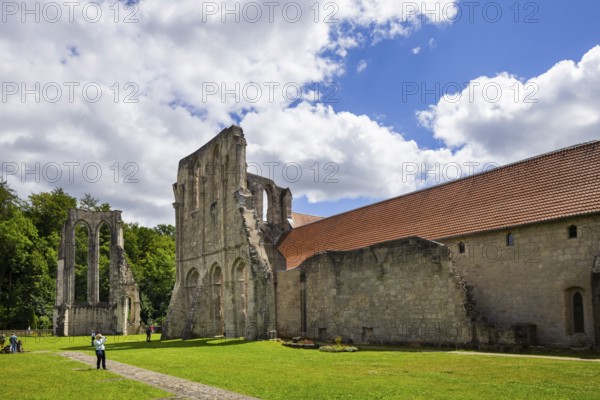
<point>310,215</point>
<point>455,181</point>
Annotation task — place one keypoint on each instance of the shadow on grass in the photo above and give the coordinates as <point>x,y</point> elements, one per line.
<point>84,369</point>
<point>550,352</point>
<point>116,343</point>
<point>405,349</point>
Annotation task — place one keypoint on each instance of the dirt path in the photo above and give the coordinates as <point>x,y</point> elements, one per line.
<point>181,388</point>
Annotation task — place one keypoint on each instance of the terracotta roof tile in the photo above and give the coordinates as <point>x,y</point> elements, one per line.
<point>554,185</point>
<point>299,219</point>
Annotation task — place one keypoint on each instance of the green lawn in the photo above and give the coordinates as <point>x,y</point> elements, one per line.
<point>268,370</point>
<point>45,375</point>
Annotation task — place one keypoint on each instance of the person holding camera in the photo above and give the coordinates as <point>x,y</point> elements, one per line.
<point>100,351</point>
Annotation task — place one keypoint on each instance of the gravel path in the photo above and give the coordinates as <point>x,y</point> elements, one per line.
<point>181,388</point>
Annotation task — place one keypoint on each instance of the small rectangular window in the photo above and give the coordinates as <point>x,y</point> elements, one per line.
<point>510,240</point>
<point>572,232</point>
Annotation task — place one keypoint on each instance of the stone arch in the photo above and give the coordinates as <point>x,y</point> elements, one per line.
<point>241,295</point>
<point>575,310</point>
<point>217,299</point>
<point>104,260</point>
<point>265,206</point>
<point>268,191</point>
<point>130,317</point>
<point>122,306</point>
<point>191,284</point>
<point>83,263</point>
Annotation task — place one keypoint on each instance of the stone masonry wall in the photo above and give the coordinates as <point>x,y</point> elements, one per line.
<point>395,292</point>
<point>532,281</point>
<point>224,279</point>
<point>289,303</point>
<point>121,314</point>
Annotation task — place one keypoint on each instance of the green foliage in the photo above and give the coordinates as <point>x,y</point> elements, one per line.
<point>30,234</point>
<point>90,203</point>
<point>25,284</point>
<point>81,261</point>
<point>151,255</point>
<point>48,211</point>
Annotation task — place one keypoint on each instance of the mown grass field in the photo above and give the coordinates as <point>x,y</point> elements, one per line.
<point>268,370</point>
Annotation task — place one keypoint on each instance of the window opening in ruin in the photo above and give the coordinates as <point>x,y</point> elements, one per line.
<point>510,241</point>
<point>578,313</point>
<point>82,242</point>
<point>572,232</point>
<point>191,283</point>
<point>104,238</point>
<point>461,247</point>
<point>129,311</point>
<point>265,205</point>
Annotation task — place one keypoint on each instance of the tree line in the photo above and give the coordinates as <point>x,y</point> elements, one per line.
<point>30,233</point>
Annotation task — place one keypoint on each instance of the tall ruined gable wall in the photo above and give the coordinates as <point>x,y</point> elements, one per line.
<point>223,284</point>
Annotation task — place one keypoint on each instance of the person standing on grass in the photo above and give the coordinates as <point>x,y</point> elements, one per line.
<point>148,333</point>
<point>100,351</point>
<point>2,340</point>
<point>93,337</point>
<point>13,343</point>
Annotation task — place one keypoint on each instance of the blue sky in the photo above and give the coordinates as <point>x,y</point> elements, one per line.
<point>526,40</point>
<point>161,72</point>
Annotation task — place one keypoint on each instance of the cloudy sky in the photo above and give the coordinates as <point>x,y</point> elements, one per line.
<point>346,102</point>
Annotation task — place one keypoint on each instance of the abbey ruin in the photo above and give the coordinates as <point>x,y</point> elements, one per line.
<point>505,257</point>
<point>120,314</point>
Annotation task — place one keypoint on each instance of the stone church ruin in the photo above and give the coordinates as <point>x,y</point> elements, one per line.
<point>120,313</point>
<point>507,257</point>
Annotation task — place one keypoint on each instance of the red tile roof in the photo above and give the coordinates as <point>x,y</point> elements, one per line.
<point>559,184</point>
<point>299,219</point>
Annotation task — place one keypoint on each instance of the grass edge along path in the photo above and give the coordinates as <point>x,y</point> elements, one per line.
<point>168,383</point>
<point>42,374</point>
<point>268,370</point>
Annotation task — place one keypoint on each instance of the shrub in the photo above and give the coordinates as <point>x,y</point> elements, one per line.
<point>338,349</point>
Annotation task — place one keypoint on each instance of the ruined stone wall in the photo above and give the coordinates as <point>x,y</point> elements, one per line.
<point>289,303</point>
<point>533,281</point>
<point>224,283</point>
<point>402,291</point>
<point>121,314</point>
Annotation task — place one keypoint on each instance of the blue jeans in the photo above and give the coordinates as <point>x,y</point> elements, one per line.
<point>100,356</point>
<point>13,348</point>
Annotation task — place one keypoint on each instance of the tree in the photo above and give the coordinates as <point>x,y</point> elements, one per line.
<point>48,211</point>
<point>151,254</point>
<point>26,289</point>
<point>30,235</point>
<point>90,203</point>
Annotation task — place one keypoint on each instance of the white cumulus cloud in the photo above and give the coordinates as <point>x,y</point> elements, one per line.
<point>508,118</point>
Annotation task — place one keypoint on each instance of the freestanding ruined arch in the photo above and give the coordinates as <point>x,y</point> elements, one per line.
<point>121,314</point>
